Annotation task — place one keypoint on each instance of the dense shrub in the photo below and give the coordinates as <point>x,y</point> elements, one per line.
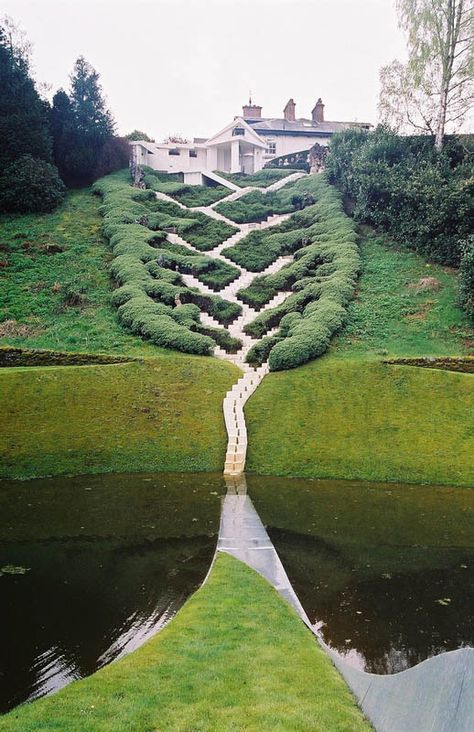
<point>321,279</point>
<point>152,300</point>
<point>30,185</point>
<point>424,199</point>
<point>466,277</point>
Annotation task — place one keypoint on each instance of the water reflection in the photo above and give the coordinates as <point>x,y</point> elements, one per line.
<point>384,571</point>
<point>92,567</point>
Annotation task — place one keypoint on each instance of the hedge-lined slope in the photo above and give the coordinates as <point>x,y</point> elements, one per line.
<point>188,195</point>
<point>256,205</point>
<point>236,657</point>
<point>321,280</point>
<point>161,415</point>
<point>365,420</point>
<point>260,179</point>
<point>152,299</point>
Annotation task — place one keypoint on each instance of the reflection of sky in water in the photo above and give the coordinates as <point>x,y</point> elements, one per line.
<point>110,560</point>
<point>385,572</point>
<point>52,671</point>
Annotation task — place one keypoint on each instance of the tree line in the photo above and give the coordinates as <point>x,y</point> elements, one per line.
<point>48,147</point>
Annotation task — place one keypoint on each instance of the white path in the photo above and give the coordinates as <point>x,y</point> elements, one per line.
<point>235,399</point>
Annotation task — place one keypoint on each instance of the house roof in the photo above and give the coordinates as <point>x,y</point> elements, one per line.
<point>146,145</point>
<point>225,135</point>
<point>301,126</point>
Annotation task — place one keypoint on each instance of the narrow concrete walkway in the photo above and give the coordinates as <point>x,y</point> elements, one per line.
<point>434,696</point>
<point>235,399</point>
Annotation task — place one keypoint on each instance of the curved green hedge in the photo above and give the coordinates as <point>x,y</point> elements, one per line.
<point>321,279</point>
<point>152,300</point>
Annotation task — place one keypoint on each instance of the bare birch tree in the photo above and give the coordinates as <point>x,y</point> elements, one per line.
<point>434,90</point>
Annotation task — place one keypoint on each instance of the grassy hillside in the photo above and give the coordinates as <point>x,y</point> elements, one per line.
<point>163,414</point>
<point>364,419</point>
<point>235,657</point>
<point>55,285</point>
<point>404,306</point>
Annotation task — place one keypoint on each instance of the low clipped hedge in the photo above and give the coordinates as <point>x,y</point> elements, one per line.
<point>152,300</point>
<point>257,205</point>
<point>191,196</point>
<point>261,179</point>
<point>321,280</point>
<point>195,227</point>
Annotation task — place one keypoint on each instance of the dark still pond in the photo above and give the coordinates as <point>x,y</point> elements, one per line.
<point>90,567</point>
<point>385,571</point>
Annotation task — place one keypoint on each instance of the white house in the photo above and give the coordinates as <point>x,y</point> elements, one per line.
<point>244,145</point>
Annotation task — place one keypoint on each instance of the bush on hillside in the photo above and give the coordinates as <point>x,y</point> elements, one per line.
<point>466,277</point>
<point>402,185</point>
<point>30,185</point>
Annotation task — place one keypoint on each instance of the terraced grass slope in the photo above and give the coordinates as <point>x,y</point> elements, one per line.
<point>164,414</point>
<point>365,420</point>
<point>235,657</point>
<point>260,179</point>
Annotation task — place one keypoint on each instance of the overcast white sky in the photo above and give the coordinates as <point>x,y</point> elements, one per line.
<point>186,66</point>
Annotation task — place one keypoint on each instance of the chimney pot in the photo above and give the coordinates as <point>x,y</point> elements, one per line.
<point>318,112</point>
<point>251,111</point>
<point>289,111</point>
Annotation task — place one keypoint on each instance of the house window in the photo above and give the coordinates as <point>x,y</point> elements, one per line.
<point>238,131</point>
<point>272,148</point>
<point>175,151</point>
<point>193,154</point>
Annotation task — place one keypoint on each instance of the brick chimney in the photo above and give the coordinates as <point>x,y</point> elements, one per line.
<point>289,111</point>
<point>251,111</point>
<point>318,112</point>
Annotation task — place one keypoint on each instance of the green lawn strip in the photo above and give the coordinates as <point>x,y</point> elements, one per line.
<point>365,420</point>
<point>260,179</point>
<point>394,314</point>
<point>236,657</point>
<point>188,195</point>
<point>163,414</point>
<point>55,288</point>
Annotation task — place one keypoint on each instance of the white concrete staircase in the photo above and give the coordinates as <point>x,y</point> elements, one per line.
<point>233,407</point>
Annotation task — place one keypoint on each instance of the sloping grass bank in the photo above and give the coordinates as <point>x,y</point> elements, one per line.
<point>404,306</point>
<point>159,415</point>
<point>55,285</point>
<point>236,657</point>
<point>365,420</point>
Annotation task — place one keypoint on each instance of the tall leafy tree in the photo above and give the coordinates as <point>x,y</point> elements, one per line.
<point>81,125</point>
<point>24,124</point>
<point>434,90</point>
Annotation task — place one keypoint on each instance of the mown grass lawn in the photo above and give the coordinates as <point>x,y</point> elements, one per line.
<point>55,285</point>
<point>164,414</point>
<point>236,657</point>
<point>366,420</point>
<point>404,306</point>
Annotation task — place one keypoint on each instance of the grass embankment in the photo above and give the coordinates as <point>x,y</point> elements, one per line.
<point>260,179</point>
<point>364,419</point>
<point>404,306</point>
<point>236,657</point>
<point>55,284</point>
<point>160,415</point>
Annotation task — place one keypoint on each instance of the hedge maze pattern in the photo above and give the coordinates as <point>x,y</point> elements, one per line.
<point>260,275</point>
